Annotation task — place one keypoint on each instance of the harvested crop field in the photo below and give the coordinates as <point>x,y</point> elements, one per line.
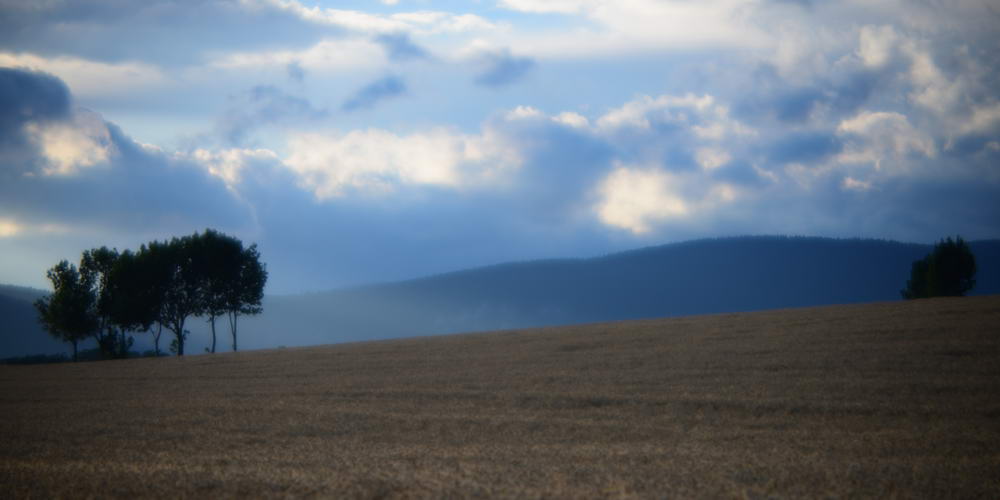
<point>890,399</point>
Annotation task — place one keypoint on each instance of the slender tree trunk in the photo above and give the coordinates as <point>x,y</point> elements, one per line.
<point>233,317</point>
<point>156,338</point>
<point>211,319</point>
<point>75,350</point>
<point>179,333</point>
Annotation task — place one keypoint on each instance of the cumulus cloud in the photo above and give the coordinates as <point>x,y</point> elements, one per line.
<point>52,178</point>
<point>634,199</point>
<point>875,137</point>
<point>368,96</point>
<point>501,68</point>
<point>377,162</point>
<point>83,141</point>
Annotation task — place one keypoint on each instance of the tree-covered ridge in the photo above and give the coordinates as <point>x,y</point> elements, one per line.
<point>112,294</point>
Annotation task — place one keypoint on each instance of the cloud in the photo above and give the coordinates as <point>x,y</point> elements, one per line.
<point>368,96</point>
<point>264,105</point>
<point>427,22</point>
<point>878,137</point>
<point>501,68</point>
<point>29,101</point>
<point>399,47</point>
<point>377,162</point>
<point>70,168</point>
<point>80,142</point>
<point>172,33</point>
<point>634,199</point>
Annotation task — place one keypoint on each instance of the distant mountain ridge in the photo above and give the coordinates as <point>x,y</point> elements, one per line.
<point>694,277</point>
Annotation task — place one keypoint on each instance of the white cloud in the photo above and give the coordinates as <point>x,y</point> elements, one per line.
<point>640,112</point>
<point>873,137</point>
<point>376,161</point>
<point>983,119</point>
<point>712,158</point>
<point>702,115</point>
<point>547,6</point>
<point>635,199</point>
<point>228,164</point>
<point>84,141</point>
<point>571,119</point>
<point>9,228</point>
<point>853,184</point>
<point>876,45</point>
<point>423,22</point>
<point>612,27</point>
<point>326,55</point>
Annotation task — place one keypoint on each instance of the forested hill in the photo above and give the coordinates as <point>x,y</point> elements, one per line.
<point>20,332</point>
<point>697,277</point>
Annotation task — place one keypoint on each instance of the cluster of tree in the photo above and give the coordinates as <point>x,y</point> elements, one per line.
<point>159,286</point>
<point>948,271</point>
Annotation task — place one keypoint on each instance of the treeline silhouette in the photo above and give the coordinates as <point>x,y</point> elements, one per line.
<point>112,294</point>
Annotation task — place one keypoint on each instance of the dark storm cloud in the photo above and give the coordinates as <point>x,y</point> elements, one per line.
<point>260,106</point>
<point>368,96</point>
<point>161,31</point>
<point>134,189</point>
<point>26,97</point>
<point>399,47</point>
<point>502,68</point>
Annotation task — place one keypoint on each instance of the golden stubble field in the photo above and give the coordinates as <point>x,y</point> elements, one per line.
<point>881,400</point>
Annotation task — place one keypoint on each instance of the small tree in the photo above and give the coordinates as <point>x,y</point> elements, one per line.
<point>99,266</point>
<point>245,294</point>
<point>219,260</point>
<point>134,304</point>
<point>182,285</point>
<point>69,312</point>
<point>948,271</point>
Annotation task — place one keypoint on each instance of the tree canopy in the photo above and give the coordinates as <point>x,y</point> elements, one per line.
<point>948,271</point>
<point>159,286</point>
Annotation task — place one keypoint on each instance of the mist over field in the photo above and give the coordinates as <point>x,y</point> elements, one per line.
<point>697,277</point>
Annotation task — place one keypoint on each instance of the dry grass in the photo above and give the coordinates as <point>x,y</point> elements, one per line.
<point>898,399</point>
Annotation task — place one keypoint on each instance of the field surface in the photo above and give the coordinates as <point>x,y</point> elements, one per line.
<point>880,400</point>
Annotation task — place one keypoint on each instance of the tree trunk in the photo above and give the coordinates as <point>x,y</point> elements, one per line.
<point>233,317</point>
<point>211,319</point>
<point>156,339</point>
<point>74,350</point>
<point>179,333</point>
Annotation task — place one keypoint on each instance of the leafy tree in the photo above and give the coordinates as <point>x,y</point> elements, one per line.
<point>948,271</point>
<point>182,292</point>
<point>99,265</point>
<point>134,296</point>
<point>219,260</point>
<point>246,294</point>
<point>154,269</point>
<point>69,312</point>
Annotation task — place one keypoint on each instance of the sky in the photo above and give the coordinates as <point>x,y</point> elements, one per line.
<point>368,141</point>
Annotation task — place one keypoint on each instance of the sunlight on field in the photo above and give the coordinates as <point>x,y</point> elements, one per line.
<point>869,400</point>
